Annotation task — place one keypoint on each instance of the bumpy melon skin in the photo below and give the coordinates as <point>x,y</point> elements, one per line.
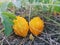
<point>20,26</point>
<point>36,26</point>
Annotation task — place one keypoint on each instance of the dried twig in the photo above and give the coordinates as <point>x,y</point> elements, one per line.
<point>42,39</point>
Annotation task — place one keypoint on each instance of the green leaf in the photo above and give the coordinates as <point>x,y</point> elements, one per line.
<point>57,9</point>
<point>46,1</point>
<point>38,0</point>
<point>10,5</point>
<point>8,22</point>
<point>45,8</point>
<point>31,1</point>
<point>10,15</point>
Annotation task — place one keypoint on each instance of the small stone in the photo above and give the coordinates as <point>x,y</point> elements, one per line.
<point>31,37</point>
